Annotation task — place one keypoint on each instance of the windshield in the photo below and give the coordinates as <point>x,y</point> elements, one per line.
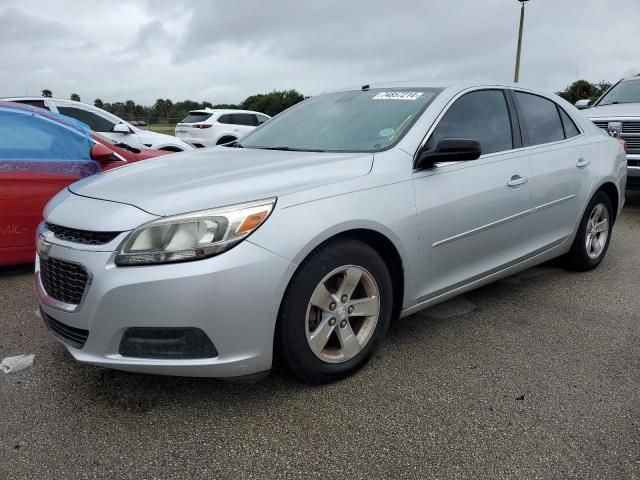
<point>354,121</point>
<point>627,91</point>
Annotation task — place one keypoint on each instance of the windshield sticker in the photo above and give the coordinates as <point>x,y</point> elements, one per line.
<point>386,132</point>
<point>398,95</point>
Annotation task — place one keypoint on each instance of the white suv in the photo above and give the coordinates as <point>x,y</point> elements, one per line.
<point>107,124</point>
<point>207,127</point>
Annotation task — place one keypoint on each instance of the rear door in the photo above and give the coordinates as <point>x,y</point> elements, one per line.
<point>243,123</point>
<point>38,158</point>
<point>560,163</point>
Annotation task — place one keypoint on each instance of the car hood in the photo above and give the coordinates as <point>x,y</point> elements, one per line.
<point>619,110</point>
<point>219,176</point>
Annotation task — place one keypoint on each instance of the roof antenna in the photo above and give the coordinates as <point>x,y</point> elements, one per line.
<point>365,88</point>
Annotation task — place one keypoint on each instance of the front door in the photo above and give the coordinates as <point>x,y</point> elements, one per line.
<point>473,216</point>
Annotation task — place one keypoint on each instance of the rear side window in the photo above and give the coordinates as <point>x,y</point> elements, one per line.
<point>226,119</point>
<point>247,119</point>
<point>195,117</point>
<point>541,119</point>
<point>482,116</point>
<point>95,122</point>
<point>570,129</point>
<point>24,136</point>
<point>34,103</point>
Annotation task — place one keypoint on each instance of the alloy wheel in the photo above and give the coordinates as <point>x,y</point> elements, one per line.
<point>597,231</point>
<point>342,314</point>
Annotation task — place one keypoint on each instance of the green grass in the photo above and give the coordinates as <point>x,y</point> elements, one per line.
<point>163,128</point>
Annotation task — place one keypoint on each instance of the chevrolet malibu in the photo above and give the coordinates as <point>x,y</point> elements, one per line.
<point>306,238</point>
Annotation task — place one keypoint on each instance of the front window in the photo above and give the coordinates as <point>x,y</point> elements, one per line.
<point>483,116</point>
<point>95,122</point>
<point>627,91</point>
<point>354,121</point>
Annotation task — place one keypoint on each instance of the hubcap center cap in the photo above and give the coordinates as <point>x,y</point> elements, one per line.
<point>341,312</point>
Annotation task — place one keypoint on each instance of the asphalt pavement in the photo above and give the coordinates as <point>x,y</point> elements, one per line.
<point>533,377</point>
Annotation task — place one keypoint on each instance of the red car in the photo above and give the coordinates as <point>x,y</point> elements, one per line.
<point>40,154</point>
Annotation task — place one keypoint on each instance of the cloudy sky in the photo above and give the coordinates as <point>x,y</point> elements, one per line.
<point>224,51</point>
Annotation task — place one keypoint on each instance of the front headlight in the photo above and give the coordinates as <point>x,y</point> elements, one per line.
<point>192,236</point>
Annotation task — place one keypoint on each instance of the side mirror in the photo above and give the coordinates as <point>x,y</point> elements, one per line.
<point>121,128</point>
<point>450,150</point>
<point>102,153</point>
<point>583,104</point>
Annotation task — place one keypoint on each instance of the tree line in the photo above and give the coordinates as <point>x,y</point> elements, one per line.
<point>272,103</point>
<point>165,110</point>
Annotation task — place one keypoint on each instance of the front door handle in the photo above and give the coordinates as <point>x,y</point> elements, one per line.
<point>582,163</point>
<point>516,181</point>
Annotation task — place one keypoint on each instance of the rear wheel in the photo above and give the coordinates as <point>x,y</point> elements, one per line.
<point>594,234</point>
<point>335,312</point>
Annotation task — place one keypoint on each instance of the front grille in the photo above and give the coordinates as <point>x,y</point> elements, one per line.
<point>76,337</point>
<point>631,127</point>
<point>629,132</point>
<point>62,280</point>
<point>633,144</point>
<point>84,237</point>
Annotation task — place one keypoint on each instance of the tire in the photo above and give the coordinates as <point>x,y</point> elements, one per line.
<point>583,257</point>
<point>301,322</point>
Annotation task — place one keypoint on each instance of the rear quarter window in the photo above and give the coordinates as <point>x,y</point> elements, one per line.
<point>34,103</point>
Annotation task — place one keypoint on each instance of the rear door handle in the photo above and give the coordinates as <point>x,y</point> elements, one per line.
<point>582,163</point>
<point>516,181</point>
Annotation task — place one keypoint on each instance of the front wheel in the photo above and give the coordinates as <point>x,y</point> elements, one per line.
<point>335,312</point>
<point>593,236</point>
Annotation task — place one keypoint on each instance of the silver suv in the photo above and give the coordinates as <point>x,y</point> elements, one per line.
<point>305,238</point>
<point>618,113</point>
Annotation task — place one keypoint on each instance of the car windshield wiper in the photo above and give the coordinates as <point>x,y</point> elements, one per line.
<point>289,149</point>
<point>234,144</point>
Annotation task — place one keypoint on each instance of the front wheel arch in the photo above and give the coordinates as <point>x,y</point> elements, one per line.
<point>383,246</point>
<point>225,139</point>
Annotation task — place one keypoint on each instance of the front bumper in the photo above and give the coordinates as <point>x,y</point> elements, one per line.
<point>233,298</point>
<point>633,172</point>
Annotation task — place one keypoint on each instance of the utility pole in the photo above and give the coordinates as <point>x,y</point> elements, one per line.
<point>517,74</point>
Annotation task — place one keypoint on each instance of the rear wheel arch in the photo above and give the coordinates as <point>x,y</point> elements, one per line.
<point>611,191</point>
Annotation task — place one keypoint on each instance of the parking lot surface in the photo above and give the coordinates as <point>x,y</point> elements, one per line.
<point>535,376</point>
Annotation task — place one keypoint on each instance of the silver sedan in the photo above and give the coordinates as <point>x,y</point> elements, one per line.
<point>307,237</point>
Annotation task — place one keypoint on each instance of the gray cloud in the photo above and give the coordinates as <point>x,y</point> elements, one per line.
<point>222,52</point>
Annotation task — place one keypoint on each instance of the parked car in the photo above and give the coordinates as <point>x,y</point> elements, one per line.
<point>107,124</point>
<point>309,235</point>
<point>617,112</point>
<point>40,154</point>
<point>207,127</point>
